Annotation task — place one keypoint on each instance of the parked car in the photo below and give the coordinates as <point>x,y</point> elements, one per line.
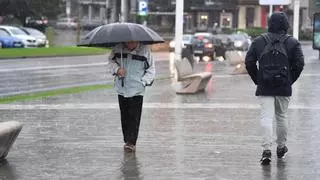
<point>66,23</point>
<point>203,46</point>
<point>186,42</point>
<point>226,44</point>
<point>37,22</point>
<point>240,42</point>
<point>27,40</point>
<point>8,41</point>
<point>41,38</point>
<point>88,24</point>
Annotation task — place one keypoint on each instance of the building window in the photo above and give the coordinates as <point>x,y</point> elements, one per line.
<point>202,20</point>
<point>250,15</point>
<point>208,2</point>
<point>226,20</point>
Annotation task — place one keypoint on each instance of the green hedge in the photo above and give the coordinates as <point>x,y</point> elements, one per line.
<point>253,32</point>
<point>50,35</point>
<point>305,34</point>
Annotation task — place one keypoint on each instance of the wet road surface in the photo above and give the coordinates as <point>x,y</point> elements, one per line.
<point>211,135</point>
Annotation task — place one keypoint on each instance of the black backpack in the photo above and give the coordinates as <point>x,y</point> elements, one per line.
<point>274,65</point>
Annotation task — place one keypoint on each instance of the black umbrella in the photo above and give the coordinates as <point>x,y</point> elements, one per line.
<point>115,33</point>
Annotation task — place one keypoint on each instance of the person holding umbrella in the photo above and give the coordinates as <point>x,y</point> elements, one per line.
<point>132,65</point>
<point>133,71</point>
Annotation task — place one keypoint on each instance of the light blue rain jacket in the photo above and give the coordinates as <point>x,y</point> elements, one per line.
<point>139,73</point>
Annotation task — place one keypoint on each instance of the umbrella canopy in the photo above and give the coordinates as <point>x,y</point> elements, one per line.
<point>115,33</point>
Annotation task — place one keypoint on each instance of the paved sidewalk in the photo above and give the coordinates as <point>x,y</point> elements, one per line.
<point>212,135</point>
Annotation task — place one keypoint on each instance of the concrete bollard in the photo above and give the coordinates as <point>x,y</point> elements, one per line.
<point>240,69</point>
<point>9,132</point>
<point>235,57</point>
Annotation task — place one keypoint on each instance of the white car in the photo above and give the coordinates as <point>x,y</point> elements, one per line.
<point>41,38</point>
<point>27,40</point>
<point>66,23</point>
<point>186,40</point>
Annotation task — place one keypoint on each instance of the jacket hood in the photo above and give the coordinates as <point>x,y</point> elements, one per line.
<point>278,23</point>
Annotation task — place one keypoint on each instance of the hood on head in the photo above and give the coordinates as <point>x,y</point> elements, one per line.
<point>278,23</point>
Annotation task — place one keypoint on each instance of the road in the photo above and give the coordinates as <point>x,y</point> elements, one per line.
<point>19,76</point>
<point>38,74</point>
<point>211,135</point>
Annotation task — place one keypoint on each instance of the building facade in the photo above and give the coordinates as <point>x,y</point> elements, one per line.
<point>199,15</point>
<point>251,14</point>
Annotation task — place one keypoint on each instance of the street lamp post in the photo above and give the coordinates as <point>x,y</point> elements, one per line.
<point>123,11</point>
<point>178,29</point>
<point>296,17</point>
<point>78,22</point>
<point>270,10</point>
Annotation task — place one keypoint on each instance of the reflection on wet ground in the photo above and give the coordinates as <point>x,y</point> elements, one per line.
<point>212,135</point>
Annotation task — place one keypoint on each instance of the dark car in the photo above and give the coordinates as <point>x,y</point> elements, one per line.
<point>40,23</point>
<point>203,46</point>
<point>8,41</point>
<point>220,48</point>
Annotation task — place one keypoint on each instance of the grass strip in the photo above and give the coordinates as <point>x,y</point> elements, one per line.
<point>64,91</point>
<point>50,52</point>
<point>45,94</point>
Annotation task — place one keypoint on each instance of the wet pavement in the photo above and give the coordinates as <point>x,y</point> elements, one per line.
<point>211,135</point>
<point>19,76</point>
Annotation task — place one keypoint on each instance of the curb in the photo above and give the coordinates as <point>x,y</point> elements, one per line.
<point>306,42</point>
<point>26,57</point>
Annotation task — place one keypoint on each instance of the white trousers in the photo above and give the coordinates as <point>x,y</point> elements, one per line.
<point>273,107</point>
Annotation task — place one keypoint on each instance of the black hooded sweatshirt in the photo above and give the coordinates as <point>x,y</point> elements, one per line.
<point>278,25</point>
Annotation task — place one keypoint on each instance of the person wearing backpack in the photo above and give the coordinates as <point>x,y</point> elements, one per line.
<point>274,62</point>
<point>133,67</point>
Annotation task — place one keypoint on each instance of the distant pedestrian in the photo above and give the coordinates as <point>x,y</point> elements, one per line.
<point>133,67</point>
<point>215,28</point>
<point>280,63</point>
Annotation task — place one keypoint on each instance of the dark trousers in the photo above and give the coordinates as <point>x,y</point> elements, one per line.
<point>130,109</point>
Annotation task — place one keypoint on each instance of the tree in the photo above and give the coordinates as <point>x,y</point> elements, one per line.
<point>21,9</point>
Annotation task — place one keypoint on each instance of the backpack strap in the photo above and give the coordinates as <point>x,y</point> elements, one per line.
<point>266,49</point>
<point>282,40</point>
<point>267,38</point>
<point>270,42</point>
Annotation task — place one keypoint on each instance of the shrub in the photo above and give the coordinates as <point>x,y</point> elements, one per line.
<point>50,35</point>
<point>306,35</point>
<point>255,31</point>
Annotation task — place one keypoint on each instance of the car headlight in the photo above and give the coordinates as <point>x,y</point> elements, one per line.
<point>238,44</point>
<point>172,44</point>
<point>40,40</point>
<point>206,58</point>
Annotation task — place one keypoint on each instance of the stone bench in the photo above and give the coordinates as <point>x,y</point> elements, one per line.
<point>235,57</point>
<point>9,132</point>
<point>191,82</point>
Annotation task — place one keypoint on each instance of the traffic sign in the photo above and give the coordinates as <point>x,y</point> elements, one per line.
<point>274,2</point>
<point>143,7</point>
